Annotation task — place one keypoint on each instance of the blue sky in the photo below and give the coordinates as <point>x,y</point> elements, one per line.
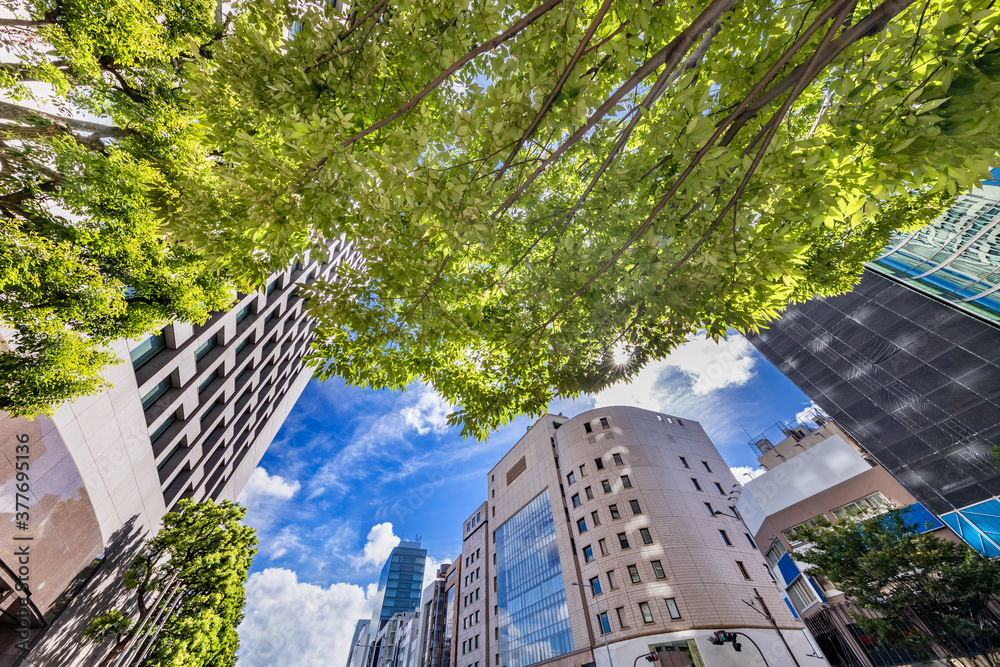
<point>354,470</point>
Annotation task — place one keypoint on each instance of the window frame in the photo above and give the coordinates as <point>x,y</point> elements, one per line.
<point>645,536</point>
<point>658,571</point>
<point>646,612</point>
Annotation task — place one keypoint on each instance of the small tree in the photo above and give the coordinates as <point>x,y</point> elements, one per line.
<point>943,588</point>
<point>206,550</point>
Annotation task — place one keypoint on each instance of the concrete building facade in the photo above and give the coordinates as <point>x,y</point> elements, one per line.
<point>472,637</point>
<point>823,474</point>
<point>190,414</point>
<point>611,535</point>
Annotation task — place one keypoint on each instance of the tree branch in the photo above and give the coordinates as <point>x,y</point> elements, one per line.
<point>671,53</point>
<point>21,114</point>
<point>594,25</point>
<point>527,20</point>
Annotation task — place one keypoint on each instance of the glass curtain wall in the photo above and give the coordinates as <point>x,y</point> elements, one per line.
<point>533,616</point>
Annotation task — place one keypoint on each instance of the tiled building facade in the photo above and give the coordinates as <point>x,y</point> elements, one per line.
<point>617,526</point>
<point>190,414</point>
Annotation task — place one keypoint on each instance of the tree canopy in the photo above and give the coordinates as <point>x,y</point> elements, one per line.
<point>942,588</point>
<point>205,550</point>
<point>536,184</point>
<point>533,185</point>
<point>83,259</point>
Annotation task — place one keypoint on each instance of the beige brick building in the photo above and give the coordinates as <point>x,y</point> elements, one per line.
<point>611,535</point>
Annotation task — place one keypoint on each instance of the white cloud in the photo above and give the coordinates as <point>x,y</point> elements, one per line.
<point>430,570</point>
<point>744,474</point>
<point>807,414</point>
<point>707,365</point>
<point>262,485</point>
<point>381,542</point>
<point>429,413</point>
<point>288,622</point>
<point>287,540</point>
<point>711,365</point>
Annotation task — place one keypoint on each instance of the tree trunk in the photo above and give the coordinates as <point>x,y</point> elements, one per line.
<point>25,23</point>
<point>25,115</point>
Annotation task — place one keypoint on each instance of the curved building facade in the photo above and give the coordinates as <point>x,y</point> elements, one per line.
<point>613,535</point>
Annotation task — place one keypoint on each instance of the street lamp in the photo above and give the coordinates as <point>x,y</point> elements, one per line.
<point>599,619</point>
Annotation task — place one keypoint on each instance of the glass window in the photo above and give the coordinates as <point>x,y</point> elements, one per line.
<point>634,504</point>
<point>605,623</point>
<point>604,546</point>
<point>697,486</point>
<point>587,427</point>
<point>207,381</point>
<point>743,569</point>
<point>708,506</point>
<point>588,554</point>
<point>590,493</point>
<point>789,533</point>
<point>243,344</point>
<point>576,500</point>
<point>646,537</point>
<point>611,579</point>
<point>623,540</point>
<point>599,464</point>
<point>719,487</point>
<point>606,485</point>
<point>242,313</point>
<point>618,459</point>
<point>707,469</point>
<point>583,470</point>
<point>581,525</point>
<point>604,423</point>
<point>538,599</point>
<point>633,573</point>
<point>647,615</point>
<point>626,482</point>
<point>595,585</point>
<point>725,538</point>
<point>750,540</point>
<point>159,390</point>
<point>271,286</point>
<point>658,569</point>
<point>146,350</point>
<point>801,594</point>
<point>875,503</point>
<point>775,553</point>
<point>204,348</point>
<point>571,478</point>
<point>162,428</point>
<point>672,608</point>
<point>596,518</point>
<point>614,512</point>
<point>684,462</point>
<point>621,617</point>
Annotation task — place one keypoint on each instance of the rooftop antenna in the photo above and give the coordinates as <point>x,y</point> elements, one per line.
<point>418,538</point>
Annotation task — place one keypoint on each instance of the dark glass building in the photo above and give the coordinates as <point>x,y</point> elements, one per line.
<point>916,380</point>
<point>400,584</point>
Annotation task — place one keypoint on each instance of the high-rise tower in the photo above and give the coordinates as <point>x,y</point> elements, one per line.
<point>190,414</point>
<point>909,362</point>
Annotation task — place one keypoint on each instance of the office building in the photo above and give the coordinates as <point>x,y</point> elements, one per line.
<point>814,472</point>
<point>400,583</point>
<point>359,644</point>
<point>956,259</point>
<point>475,599</point>
<point>908,363</point>
<point>437,619</point>
<point>190,414</point>
<point>608,536</point>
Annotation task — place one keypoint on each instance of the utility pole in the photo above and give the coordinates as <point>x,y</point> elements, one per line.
<point>766,613</point>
